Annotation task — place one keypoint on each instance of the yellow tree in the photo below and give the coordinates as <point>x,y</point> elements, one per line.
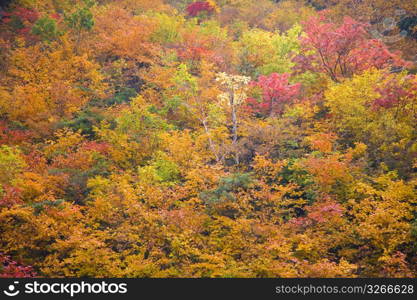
<point>44,85</point>
<point>234,87</point>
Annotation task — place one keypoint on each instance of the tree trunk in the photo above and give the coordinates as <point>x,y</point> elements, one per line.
<point>234,126</point>
<point>211,144</point>
<point>271,107</point>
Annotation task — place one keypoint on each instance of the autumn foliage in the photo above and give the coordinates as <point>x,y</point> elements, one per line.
<point>344,50</point>
<point>276,91</point>
<point>199,7</point>
<point>206,139</point>
<point>11,269</point>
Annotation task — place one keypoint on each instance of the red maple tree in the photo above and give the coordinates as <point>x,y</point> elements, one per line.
<point>11,269</point>
<point>196,8</point>
<point>342,50</point>
<point>276,91</point>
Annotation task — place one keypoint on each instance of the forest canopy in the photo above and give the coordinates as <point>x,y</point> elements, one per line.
<point>219,138</point>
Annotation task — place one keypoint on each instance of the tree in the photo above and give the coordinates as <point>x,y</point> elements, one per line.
<point>234,95</point>
<point>11,164</point>
<point>200,7</point>
<point>12,269</point>
<point>363,109</point>
<point>129,146</point>
<point>46,28</point>
<point>81,20</point>
<point>118,36</point>
<point>19,22</point>
<point>47,84</point>
<point>276,92</point>
<point>198,95</point>
<point>345,50</point>
<point>265,52</point>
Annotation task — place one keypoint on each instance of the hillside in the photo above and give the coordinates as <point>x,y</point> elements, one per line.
<point>227,138</point>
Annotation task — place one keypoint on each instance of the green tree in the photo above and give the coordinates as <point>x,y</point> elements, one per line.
<point>47,29</point>
<point>81,20</point>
